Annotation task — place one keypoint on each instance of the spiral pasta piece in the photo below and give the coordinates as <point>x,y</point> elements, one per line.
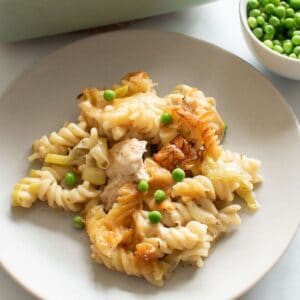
<point>58,172</point>
<point>138,82</point>
<point>179,238</point>
<point>204,107</point>
<point>194,188</point>
<point>107,231</point>
<point>204,133</point>
<point>125,261</point>
<point>134,116</point>
<point>228,178</point>
<point>195,255</point>
<point>128,201</point>
<point>59,142</point>
<point>24,193</point>
<point>43,186</point>
<point>249,165</point>
<point>217,221</point>
<point>152,248</point>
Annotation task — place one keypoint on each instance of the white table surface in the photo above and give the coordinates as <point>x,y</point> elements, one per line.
<point>219,24</point>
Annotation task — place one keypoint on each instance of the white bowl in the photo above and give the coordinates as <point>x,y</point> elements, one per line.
<point>279,64</point>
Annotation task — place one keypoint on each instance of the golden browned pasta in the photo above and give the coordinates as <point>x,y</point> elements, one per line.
<point>203,132</point>
<point>125,261</point>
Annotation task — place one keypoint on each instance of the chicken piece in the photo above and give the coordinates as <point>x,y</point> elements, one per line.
<point>126,165</point>
<point>179,152</point>
<point>126,159</point>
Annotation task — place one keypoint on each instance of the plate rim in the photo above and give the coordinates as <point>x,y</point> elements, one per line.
<point>96,36</point>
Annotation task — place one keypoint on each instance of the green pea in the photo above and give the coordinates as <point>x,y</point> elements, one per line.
<point>288,46</point>
<point>178,175</point>
<point>253,4</point>
<point>254,13</point>
<point>160,196</point>
<point>264,2</point>
<point>297,19</point>
<point>269,44</point>
<point>280,11</point>
<point>296,40</point>
<point>285,4</point>
<point>258,32</point>
<point>290,13</point>
<point>70,179</point>
<point>252,22</point>
<point>166,118</point>
<point>289,23</point>
<point>78,222</point>
<point>276,43</point>
<point>109,95</point>
<point>275,2</point>
<point>264,15</point>
<point>154,216</point>
<point>143,186</point>
<point>293,55</point>
<point>268,36</point>
<point>260,20</point>
<point>270,9</point>
<point>295,4</point>
<point>274,21</point>
<point>297,50</point>
<point>269,29</point>
<point>278,49</point>
<point>296,32</point>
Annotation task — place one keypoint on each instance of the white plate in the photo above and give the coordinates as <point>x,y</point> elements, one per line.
<point>38,246</point>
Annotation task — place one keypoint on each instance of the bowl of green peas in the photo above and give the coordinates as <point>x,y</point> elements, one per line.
<point>272,31</point>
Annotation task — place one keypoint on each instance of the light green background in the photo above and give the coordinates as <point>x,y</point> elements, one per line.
<point>23,19</point>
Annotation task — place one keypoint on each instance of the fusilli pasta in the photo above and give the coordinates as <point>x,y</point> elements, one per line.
<point>179,238</point>
<point>194,188</point>
<point>42,185</point>
<point>59,142</point>
<point>125,261</point>
<point>147,175</point>
<point>230,177</point>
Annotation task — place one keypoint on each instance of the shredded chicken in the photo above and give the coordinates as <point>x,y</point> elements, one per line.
<point>126,165</point>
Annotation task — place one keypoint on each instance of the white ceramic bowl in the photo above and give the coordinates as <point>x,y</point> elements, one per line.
<point>279,64</point>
